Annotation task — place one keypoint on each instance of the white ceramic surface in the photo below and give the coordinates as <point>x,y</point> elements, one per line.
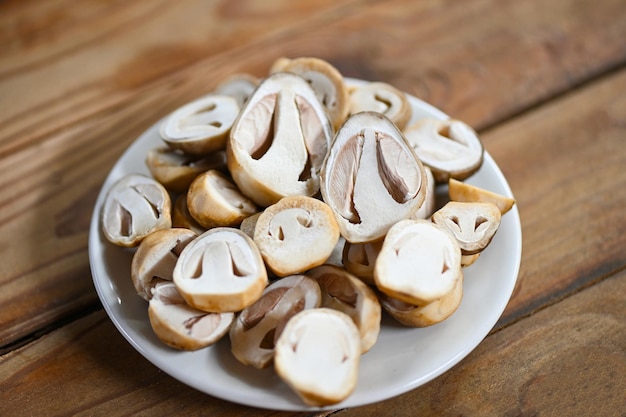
<point>402,359</point>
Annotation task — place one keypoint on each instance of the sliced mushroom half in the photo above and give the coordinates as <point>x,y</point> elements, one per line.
<point>419,262</point>
<point>382,98</point>
<point>239,86</point>
<point>451,148</point>
<point>327,82</point>
<point>214,200</point>
<point>155,258</point>
<point>176,169</point>
<point>134,207</point>
<point>430,197</point>
<point>462,191</point>
<point>318,355</point>
<point>427,314</point>
<point>472,224</point>
<point>344,292</point>
<point>201,126</point>
<point>221,270</point>
<point>371,178</point>
<point>180,326</point>
<point>182,218</point>
<point>254,333</point>
<point>360,258</point>
<point>296,234</point>
<point>279,141</point>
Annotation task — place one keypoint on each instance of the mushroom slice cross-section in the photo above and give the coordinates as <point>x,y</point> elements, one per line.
<point>182,218</point>
<point>201,126</point>
<point>326,80</point>
<point>135,206</point>
<point>221,270</point>
<point>451,148</point>
<point>382,98</point>
<point>472,224</point>
<point>359,259</point>
<point>254,333</point>
<point>318,355</point>
<point>418,263</point>
<point>462,191</point>
<point>424,315</point>
<point>176,169</point>
<point>155,258</point>
<point>214,200</point>
<point>239,86</point>
<point>371,178</point>
<point>183,327</point>
<point>296,234</point>
<point>279,141</point>
<point>344,292</point>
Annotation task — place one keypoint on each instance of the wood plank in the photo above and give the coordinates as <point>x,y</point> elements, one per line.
<point>77,130</point>
<point>568,359</point>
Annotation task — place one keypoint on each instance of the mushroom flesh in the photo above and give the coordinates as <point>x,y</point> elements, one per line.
<point>382,98</point>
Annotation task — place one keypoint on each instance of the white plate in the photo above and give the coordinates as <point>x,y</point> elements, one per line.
<point>402,359</point>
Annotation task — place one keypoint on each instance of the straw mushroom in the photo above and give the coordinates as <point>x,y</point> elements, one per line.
<point>155,258</point>
<point>360,258</point>
<point>254,333</point>
<point>450,148</point>
<point>239,86</point>
<point>382,98</point>
<point>326,80</point>
<point>462,191</point>
<point>135,206</point>
<point>221,270</point>
<point>180,326</point>
<point>201,126</point>
<point>318,355</point>
<point>176,169</point>
<point>419,262</point>
<point>344,292</point>
<point>472,224</point>
<point>424,315</point>
<point>279,141</point>
<point>213,200</point>
<point>182,218</point>
<point>371,178</point>
<point>295,234</point>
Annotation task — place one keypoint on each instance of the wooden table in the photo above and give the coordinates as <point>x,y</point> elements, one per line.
<point>542,82</point>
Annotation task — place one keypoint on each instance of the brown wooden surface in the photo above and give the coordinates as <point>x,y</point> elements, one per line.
<point>543,82</point>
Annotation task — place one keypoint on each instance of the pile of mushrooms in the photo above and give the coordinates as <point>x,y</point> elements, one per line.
<point>287,214</point>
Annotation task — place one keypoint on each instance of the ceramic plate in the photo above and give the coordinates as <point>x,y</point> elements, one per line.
<point>402,359</point>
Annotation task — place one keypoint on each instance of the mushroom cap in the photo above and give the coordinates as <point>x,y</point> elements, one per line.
<point>155,258</point>
<point>135,206</point>
<point>418,263</point>
<point>183,327</point>
<point>427,314</point>
<point>382,98</point>
<point>254,333</point>
<point>279,141</point>
<point>221,270</point>
<point>451,148</point>
<point>296,234</point>
<point>202,125</point>
<point>371,178</point>
<point>344,292</point>
<point>472,224</point>
<point>462,191</point>
<point>318,355</point>
<point>326,80</point>
<point>214,200</point>
<point>176,169</point>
